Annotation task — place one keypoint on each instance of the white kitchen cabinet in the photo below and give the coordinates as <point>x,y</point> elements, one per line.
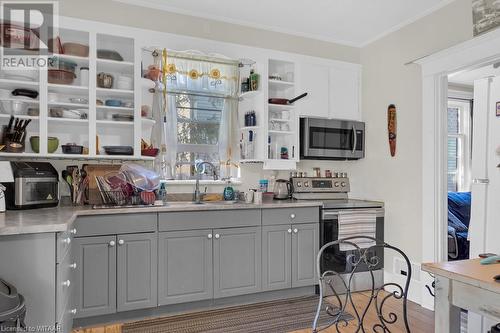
<point>345,87</point>
<point>315,80</point>
<point>333,90</point>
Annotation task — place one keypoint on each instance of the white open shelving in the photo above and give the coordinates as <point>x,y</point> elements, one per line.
<point>98,129</point>
<point>278,140</point>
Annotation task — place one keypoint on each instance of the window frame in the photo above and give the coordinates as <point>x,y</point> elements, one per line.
<point>464,138</point>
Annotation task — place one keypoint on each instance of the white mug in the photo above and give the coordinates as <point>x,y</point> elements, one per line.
<point>249,196</point>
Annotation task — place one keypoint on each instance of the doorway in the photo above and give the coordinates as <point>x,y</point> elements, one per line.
<point>458,167</point>
<point>475,53</point>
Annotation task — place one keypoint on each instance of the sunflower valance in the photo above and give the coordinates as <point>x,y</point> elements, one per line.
<point>199,73</point>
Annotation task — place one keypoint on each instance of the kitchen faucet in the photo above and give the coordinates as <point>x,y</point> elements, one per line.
<point>198,168</point>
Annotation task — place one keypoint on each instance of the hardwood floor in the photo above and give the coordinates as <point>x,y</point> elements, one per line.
<point>421,320</point>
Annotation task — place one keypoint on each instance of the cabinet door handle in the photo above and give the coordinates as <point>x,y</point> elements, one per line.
<point>112,243</point>
<point>66,240</point>
<point>121,242</point>
<point>292,216</point>
<point>66,283</point>
<point>209,236</point>
<point>73,265</point>
<point>289,231</point>
<point>72,311</point>
<point>73,231</point>
<point>217,236</point>
<point>295,230</point>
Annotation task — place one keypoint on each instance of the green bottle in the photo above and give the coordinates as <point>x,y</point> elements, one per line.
<point>228,192</point>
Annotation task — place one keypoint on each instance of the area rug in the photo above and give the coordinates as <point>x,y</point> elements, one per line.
<point>270,317</point>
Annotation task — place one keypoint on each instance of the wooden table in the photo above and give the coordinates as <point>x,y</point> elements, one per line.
<point>466,285</point>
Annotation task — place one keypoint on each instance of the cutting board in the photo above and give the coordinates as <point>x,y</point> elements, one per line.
<point>94,170</point>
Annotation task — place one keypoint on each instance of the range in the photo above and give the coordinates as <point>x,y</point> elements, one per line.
<point>340,210</point>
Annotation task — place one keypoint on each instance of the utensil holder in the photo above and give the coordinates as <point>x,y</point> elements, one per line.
<point>14,147</point>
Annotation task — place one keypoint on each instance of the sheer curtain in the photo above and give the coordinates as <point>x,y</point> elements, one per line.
<point>200,107</point>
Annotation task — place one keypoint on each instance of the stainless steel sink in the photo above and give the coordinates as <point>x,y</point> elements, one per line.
<point>232,202</point>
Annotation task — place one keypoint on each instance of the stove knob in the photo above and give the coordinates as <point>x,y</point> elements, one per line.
<point>299,184</point>
<point>343,184</point>
<point>306,184</point>
<point>336,184</point>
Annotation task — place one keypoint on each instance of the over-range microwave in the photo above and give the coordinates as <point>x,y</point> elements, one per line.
<point>331,139</point>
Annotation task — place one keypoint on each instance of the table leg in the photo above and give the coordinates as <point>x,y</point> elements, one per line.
<point>446,315</point>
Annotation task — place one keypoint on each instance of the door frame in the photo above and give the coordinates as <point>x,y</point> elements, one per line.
<point>435,68</point>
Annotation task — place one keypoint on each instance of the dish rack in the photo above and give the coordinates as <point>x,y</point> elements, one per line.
<point>121,196</point>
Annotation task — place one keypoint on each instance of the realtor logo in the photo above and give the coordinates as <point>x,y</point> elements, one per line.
<point>27,28</point>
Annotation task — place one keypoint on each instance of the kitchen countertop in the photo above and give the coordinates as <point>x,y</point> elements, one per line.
<point>59,219</point>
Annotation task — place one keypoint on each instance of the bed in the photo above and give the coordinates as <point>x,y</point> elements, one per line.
<point>458,225</point>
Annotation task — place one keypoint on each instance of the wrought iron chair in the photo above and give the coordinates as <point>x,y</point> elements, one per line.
<point>337,309</point>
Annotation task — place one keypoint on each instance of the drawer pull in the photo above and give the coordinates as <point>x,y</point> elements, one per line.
<point>112,243</point>
<point>66,240</point>
<point>66,283</point>
<point>295,230</point>
<point>209,236</point>
<point>73,265</point>
<point>292,216</point>
<point>217,236</point>
<point>72,311</point>
<point>289,231</point>
<point>121,242</point>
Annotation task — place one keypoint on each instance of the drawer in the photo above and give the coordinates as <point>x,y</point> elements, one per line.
<point>64,240</point>
<point>65,284</point>
<point>113,224</point>
<point>209,219</point>
<point>275,216</point>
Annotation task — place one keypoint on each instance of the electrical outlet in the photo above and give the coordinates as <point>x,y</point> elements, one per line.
<point>400,268</point>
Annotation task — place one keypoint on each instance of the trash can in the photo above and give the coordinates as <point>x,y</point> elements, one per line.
<point>12,308</point>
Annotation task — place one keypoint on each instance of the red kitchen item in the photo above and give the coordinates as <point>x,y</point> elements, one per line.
<point>18,37</point>
<point>148,198</point>
<point>152,152</point>
<point>392,128</point>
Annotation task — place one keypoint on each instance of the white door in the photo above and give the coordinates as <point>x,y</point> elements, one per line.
<point>484,227</point>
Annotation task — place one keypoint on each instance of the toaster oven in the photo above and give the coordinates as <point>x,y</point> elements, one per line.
<point>36,185</point>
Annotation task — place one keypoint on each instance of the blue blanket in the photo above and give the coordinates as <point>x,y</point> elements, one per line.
<point>459,204</point>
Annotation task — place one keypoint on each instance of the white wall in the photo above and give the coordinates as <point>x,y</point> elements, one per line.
<point>386,79</point>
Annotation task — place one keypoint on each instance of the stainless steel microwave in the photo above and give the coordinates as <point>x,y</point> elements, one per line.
<point>331,139</point>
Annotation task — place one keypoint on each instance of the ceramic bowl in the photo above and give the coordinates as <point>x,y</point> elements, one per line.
<point>52,144</point>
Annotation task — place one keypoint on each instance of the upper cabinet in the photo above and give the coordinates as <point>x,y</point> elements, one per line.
<point>333,90</point>
<point>315,80</point>
<point>345,92</point>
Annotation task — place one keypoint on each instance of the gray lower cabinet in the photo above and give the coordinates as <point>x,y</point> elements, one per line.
<point>237,261</point>
<point>276,257</point>
<point>136,271</point>
<point>185,266</point>
<point>289,255</point>
<point>305,247</point>
<point>95,259</point>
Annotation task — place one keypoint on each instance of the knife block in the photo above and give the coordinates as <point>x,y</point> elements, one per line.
<point>14,147</point>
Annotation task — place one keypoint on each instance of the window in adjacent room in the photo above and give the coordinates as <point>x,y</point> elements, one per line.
<point>459,144</point>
